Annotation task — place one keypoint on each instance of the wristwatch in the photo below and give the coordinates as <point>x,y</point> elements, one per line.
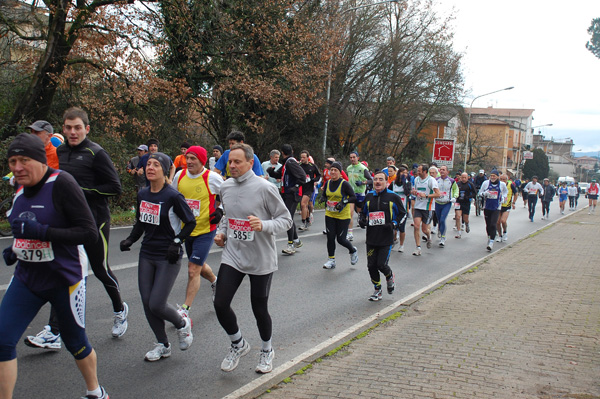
<point>177,240</point>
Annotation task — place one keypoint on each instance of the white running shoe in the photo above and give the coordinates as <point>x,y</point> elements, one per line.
<point>417,252</point>
<point>439,233</point>
<point>490,245</point>
<point>159,351</point>
<point>433,230</point>
<point>103,395</point>
<point>120,322</point>
<point>297,243</point>
<point>289,250</point>
<point>428,244</point>
<point>350,237</point>
<point>186,312</point>
<point>376,296</point>
<point>233,357</point>
<point>185,335</point>
<point>442,242</point>
<point>330,264</point>
<point>401,248</point>
<point>391,284</point>
<point>354,257</point>
<point>265,362</point>
<point>544,217</point>
<point>44,339</point>
<point>498,239</point>
<point>505,237</point>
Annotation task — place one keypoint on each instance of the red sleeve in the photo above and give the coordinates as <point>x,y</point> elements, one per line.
<point>344,176</point>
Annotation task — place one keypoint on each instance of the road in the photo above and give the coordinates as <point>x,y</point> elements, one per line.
<point>308,304</point>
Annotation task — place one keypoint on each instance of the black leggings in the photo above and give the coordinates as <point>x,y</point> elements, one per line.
<point>491,219</point>
<point>291,203</point>
<point>571,201</point>
<point>97,254</point>
<point>229,280</point>
<point>377,261</point>
<point>532,202</point>
<point>337,229</point>
<point>155,281</point>
<point>545,208</point>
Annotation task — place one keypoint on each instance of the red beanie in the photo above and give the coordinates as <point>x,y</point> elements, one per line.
<point>199,152</point>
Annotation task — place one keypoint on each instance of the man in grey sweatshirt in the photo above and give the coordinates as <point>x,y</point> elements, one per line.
<point>254,214</point>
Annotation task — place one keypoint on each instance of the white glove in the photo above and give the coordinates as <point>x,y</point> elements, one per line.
<point>453,200</point>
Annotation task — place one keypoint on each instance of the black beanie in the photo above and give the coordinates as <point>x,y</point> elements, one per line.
<point>164,160</point>
<point>337,165</point>
<point>28,145</point>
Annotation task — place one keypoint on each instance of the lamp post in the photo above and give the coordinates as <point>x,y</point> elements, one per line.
<point>325,128</point>
<point>469,121</point>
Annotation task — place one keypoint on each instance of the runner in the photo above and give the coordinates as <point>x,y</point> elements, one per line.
<point>313,175</point>
<point>402,188</point>
<point>358,177</point>
<point>547,198</point>
<point>217,152</point>
<point>479,179</point>
<point>95,173</point>
<point>152,145</point>
<point>494,193</point>
<point>49,211</point>
<point>578,194</point>
<point>533,190</point>
<point>443,204</point>
<point>180,162</point>
<point>159,214</point>
<point>390,161</point>
<point>200,187</point>
<point>523,193</point>
<point>44,131</point>
<point>292,176</point>
<point>221,166</point>
<point>433,172</point>
<point>511,200</point>
<point>140,181</point>
<point>425,191</point>
<point>337,194</point>
<point>255,213</point>
<point>572,191</point>
<point>462,207</point>
<point>382,213</point>
<point>592,195</point>
<point>563,194</point>
<point>272,162</point>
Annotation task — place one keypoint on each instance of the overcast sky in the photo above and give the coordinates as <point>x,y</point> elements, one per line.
<point>539,48</point>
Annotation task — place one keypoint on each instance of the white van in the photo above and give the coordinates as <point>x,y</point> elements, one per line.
<point>568,179</point>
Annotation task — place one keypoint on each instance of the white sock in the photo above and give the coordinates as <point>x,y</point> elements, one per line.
<point>266,346</point>
<point>236,337</point>
<point>96,392</point>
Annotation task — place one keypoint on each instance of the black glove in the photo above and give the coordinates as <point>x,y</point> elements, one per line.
<point>216,216</point>
<point>339,206</point>
<point>28,228</point>
<point>358,183</point>
<point>270,170</point>
<point>125,244</point>
<point>173,252</point>
<point>9,256</point>
<point>362,220</point>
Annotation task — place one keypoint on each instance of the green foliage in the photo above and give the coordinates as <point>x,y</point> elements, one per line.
<point>538,166</point>
<point>593,45</point>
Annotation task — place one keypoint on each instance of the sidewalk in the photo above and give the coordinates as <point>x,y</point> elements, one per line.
<point>525,324</point>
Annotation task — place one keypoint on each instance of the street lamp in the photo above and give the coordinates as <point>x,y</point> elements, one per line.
<point>469,121</point>
<point>331,70</point>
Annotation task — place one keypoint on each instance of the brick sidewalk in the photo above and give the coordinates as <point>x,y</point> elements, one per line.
<point>521,326</point>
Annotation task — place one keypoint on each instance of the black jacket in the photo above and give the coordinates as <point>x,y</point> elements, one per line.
<point>95,173</point>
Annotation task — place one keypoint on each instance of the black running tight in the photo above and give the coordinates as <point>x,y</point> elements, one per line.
<point>228,282</point>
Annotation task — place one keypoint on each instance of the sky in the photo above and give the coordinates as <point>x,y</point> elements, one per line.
<point>539,48</point>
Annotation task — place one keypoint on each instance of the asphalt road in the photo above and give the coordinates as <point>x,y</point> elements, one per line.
<point>308,304</point>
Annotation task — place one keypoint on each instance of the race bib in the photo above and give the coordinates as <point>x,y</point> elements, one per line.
<point>493,194</point>
<point>240,229</point>
<point>33,250</point>
<point>456,205</point>
<point>150,213</point>
<point>533,191</point>
<point>376,218</point>
<point>194,206</point>
<point>331,206</point>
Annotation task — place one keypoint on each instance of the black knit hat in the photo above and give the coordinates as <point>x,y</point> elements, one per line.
<point>337,165</point>
<point>164,160</point>
<point>28,145</point>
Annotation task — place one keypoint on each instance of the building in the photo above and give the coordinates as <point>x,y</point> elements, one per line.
<point>498,137</point>
<point>559,153</point>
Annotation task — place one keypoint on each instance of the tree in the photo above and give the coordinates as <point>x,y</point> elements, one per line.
<point>593,45</point>
<point>99,41</point>
<point>243,63</point>
<point>538,166</point>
